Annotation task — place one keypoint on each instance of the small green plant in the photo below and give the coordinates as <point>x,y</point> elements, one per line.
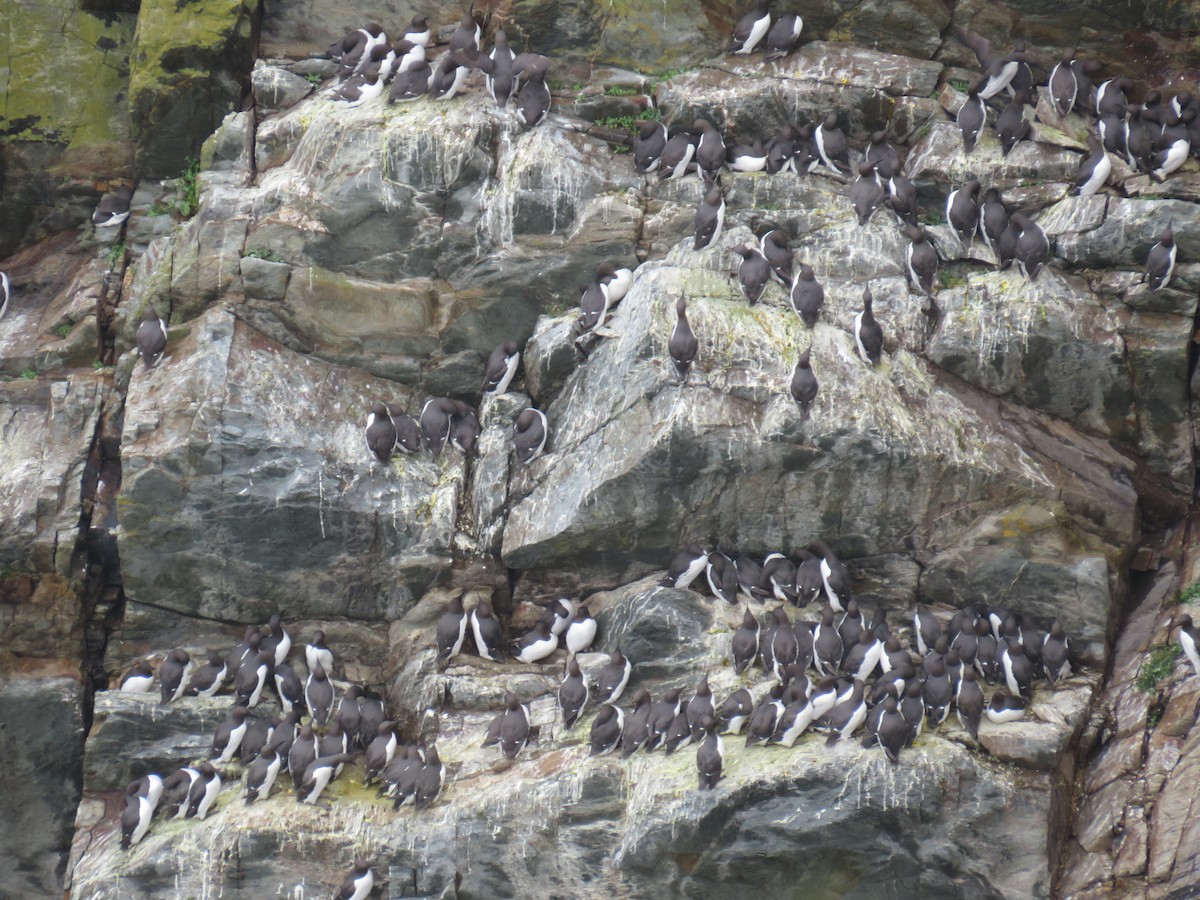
<point>5,572</point>
<point>617,123</point>
<point>189,189</point>
<point>620,148</point>
<point>29,374</point>
<point>97,364</point>
<point>1159,664</point>
<point>933,218</point>
<point>558,307</point>
<point>1154,715</point>
<point>953,280</point>
<point>615,91</point>
<point>115,254</point>
<point>314,79</point>
<point>653,114</point>
<point>1189,594</point>
<point>959,84</point>
<point>668,74</point>
<point>63,330</point>
<point>261,253</point>
<point>157,209</point>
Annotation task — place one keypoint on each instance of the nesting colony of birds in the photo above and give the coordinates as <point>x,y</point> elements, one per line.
<point>811,656</point>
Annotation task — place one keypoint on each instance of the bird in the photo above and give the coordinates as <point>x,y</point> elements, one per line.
<point>580,631</point>
<point>1018,669</point>
<point>685,567</point>
<point>678,155</point>
<point>1094,169</point>
<point>735,712</point>
<point>139,679</point>
<point>751,28</point>
<point>1160,263</point>
<point>451,629</point>
<point>649,144</point>
<point>698,707</point>
<point>1005,707</point>
<point>710,216</point>
<point>411,82</point>
<point>920,259</point>
<point>436,419</point>
<point>318,695</point>
<point>746,157</point>
<point>408,430</point>
<point>804,383</point>
<point>486,630</point>
<point>833,151</point>
<point>1063,85</point>
<point>710,157</point>
<point>969,703</point>
<point>359,89</point>
<point>203,792</point>
<point>151,335</point>
<point>530,434</point>
<point>753,273</point>
<point>847,716</point>
<point>173,675</point>
<point>710,755</point>
<point>993,218</point>
<point>113,208</point>
<point>868,335</point>
<point>252,676</point>
<point>607,730</point>
<point>514,726</point>
<point>261,775</point>
<point>572,693</point>
<point>972,116</point>
<point>430,780</point>
<point>637,724</point>
<point>358,883</point>
<point>533,96</point>
<point>1033,248</point>
<point>1054,654</point>
<point>1189,642</point>
<point>537,644</point>
<point>745,642</point>
<point>613,677</point>
<point>867,192</point>
<point>501,367</point>
<point>1011,125</point>
<point>682,345</point>
<point>807,295</point>
<point>6,295</point>
<point>891,731</point>
<point>277,641</point>
<point>722,577</point>
<point>835,575</point>
<point>783,37</point>
<point>774,246</point>
<point>766,714</point>
<point>962,211</point>
<point>320,772</point>
<point>317,653</point>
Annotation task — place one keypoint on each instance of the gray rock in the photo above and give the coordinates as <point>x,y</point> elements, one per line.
<point>264,279</point>
<point>276,88</point>
<point>662,630</point>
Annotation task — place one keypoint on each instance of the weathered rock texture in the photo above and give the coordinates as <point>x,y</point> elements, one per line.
<point>1021,445</point>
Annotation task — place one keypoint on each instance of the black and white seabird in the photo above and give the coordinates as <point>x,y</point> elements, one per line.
<point>962,211</point>
<point>807,295</point>
<point>662,716</point>
<point>430,781</point>
<point>486,630</point>
<point>469,33</point>
<point>1063,86</point>
<point>288,687</point>
<point>993,218</point>
<point>380,752</point>
<point>448,79</point>
<point>318,695</point>
<point>359,883</point>
<point>804,383</point>
<point>735,712</point>
<point>745,642</point>
<point>762,721</point>
<point>277,641</point>
<point>317,652</point>
<point>969,703</point>
<point>1011,125</point>
<point>809,581</point>
<point>410,84</point>
<point>1189,642</point>
<point>1055,654</point>
<point>774,246</point>
<point>637,724</point>
<point>920,259</point>
<point>683,344</point>
<point>537,644</point>
<point>710,755</point>
<point>783,36</point>
<point>173,675</point>
<point>1094,169</point>
<point>1033,247</point>
<point>261,775</point>
<point>533,97</point>
<point>252,676</point>
<point>451,629</point>
<point>6,294</point>
<point>580,632</point>
<point>139,679</point>
<point>408,430</point>
<point>203,792</point>
<point>380,433</point>
<point>1160,264</point>
<point>319,773</point>
<point>827,645</point>
<point>892,730</point>
<point>867,193</point>
<point>751,28</point>
<point>514,726</point>
<point>530,434</point>
<point>206,680</point>
<point>835,575</point>
<point>698,707</point>
<point>572,693</point>
<point>972,116</point>
<point>779,577</point>
<point>360,89</point>
<point>611,682</point>
<point>135,820</point>
<point>1112,97</point>
<point>464,428</point>
<point>710,216</point>
<point>781,150</point>
<point>113,208</point>
<point>746,157</point>
<point>833,150</point>
<point>648,146</point>
<point>436,418</point>
<point>710,153</point>
<point>685,567</point>
<point>901,192</point>
<point>722,576</point>
<point>868,335</point>
<point>151,336</point>
<point>607,730</point>
<point>419,32</point>
<point>847,716</point>
<point>1005,707</point>
<point>678,155</point>
<point>753,273</point>
<point>1018,669</point>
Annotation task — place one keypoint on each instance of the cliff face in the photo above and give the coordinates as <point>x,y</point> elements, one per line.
<point>1024,445</point>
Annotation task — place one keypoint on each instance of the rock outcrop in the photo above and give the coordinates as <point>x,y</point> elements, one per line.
<point>1028,445</point>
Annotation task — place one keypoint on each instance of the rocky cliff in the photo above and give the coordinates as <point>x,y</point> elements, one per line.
<point>1023,444</point>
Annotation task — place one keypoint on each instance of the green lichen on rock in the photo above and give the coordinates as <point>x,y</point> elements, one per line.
<point>188,63</point>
